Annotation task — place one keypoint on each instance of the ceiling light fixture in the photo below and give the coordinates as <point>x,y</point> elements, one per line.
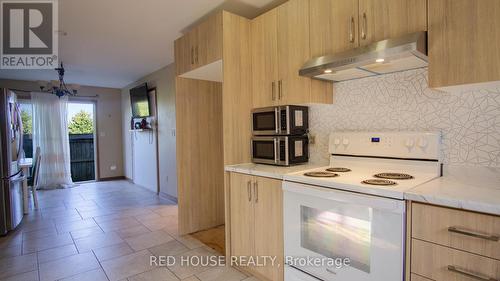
<point>380,60</point>
<point>58,87</point>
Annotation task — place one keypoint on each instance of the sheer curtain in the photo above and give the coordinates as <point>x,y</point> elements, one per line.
<point>50,133</point>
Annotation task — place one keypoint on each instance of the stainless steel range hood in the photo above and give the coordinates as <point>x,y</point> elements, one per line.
<point>387,56</point>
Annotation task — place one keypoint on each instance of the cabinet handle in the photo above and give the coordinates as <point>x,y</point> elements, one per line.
<point>364,28</point>
<point>493,238</point>
<point>249,190</point>
<point>351,30</point>
<point>280,89</point>
<point>273,92</point>
<point>192,55</point>
<point>471,275</point>
<point>196,53</point>
<point>256,191</point>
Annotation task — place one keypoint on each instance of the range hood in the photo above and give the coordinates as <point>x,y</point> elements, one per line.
<point>386,56</point>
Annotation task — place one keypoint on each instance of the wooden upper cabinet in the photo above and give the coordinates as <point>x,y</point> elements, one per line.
<point>200,46</point>
<point>383,19</point>
<point>183,54</point>
<point>293,51</point>
<point>264,33</point>
<point>333,26</point>
<point>464,36</point>
<point>209,46</point>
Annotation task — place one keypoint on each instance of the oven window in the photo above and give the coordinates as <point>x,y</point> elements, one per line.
<point>263,149</point>
<point>264,121</point>
<point>335,235</point>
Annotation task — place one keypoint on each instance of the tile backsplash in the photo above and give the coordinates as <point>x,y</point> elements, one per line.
<point>468,120</point>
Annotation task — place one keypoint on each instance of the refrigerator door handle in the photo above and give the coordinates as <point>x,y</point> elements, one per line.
<point>13,176</point>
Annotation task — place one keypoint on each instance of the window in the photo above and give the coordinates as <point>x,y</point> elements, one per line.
<point>27,118</point>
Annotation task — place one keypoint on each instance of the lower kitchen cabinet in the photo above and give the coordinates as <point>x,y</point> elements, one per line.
<point>453,245</point>
<point>256,222</point>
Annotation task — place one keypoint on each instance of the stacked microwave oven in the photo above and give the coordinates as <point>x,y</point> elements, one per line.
<point>280,135</point>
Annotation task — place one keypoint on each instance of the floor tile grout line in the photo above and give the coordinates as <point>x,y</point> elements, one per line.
<point>100,265</point>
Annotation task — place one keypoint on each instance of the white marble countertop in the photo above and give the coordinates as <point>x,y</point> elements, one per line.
<point>468,188</point>
<point>269,171</point>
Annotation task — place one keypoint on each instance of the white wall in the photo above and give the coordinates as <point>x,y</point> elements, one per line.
<point>164,81</point>
<point>109,116</point>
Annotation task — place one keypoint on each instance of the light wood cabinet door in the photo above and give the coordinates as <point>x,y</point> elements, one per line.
<point>467,231</point>
<point>383,19</point>
<point>333,28</point>
<point>293,51</point>
<point>446,264</point>
<point>242,215</point>
<point>264,33</point>
<point>183,50</point>
<point>209,41</point>
<point>415,277</point>
<point>463,42</point>
<point>268,200</point>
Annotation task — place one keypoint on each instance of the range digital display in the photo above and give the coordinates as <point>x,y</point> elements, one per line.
<point>374,139</point>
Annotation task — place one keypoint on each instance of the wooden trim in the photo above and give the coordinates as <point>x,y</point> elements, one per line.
<point>114,179</point>
<point>152,93</point>
<point>408,242</point>
<point>227,212</point>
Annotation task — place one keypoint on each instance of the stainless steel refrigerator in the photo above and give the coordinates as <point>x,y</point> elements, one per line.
<point>11,151</point>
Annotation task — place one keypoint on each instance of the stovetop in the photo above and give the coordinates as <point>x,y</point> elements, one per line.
<point>363,170</point>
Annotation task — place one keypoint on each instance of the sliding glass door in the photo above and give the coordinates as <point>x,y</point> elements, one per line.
<point>81,125</point>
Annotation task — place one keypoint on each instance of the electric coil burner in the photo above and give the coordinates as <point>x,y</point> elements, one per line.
<point>338,170</point>
<point>321,174</point>
<point>379,182</point>
<point>394,176</point>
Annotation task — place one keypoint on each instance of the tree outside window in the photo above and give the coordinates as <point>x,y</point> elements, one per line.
<point>81,123</point>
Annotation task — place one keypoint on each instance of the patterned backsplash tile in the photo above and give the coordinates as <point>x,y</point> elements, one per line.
<point>468,120</point>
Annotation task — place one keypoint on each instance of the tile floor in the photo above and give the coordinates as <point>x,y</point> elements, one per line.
<point>104,231</point>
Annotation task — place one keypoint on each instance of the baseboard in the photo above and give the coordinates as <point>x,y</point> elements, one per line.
<point>169,197</point>
<point>113,178</point>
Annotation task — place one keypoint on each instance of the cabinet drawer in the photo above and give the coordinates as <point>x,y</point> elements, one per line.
<point>440,263</point>
<point>415,277</point>
<point>468,231</point>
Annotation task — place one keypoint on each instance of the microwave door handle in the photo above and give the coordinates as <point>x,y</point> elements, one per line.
<point>276,120</point>
<point>276,153</point>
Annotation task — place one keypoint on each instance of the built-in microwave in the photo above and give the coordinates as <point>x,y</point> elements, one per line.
<point>280,150</point>
<point>280,120</point>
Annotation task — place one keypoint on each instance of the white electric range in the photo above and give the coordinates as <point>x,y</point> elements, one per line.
<point>353,210</point>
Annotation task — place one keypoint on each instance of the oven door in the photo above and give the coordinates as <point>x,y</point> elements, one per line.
<point>349,236</point>
<point>265,121</point>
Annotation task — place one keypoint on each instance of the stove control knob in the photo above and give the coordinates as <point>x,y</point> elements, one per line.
<point>409,143</point>
<point>422,143</point>
<point>336,141</point>
<point>345,141</point>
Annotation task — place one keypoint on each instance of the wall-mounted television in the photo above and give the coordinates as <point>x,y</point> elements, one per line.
<point>140,102</point>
